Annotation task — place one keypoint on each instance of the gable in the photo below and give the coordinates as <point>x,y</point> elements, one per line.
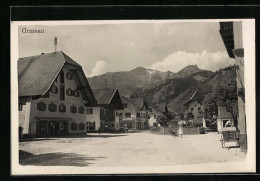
<point>36,74</point>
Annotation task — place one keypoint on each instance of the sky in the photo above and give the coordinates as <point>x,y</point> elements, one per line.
<point>159,45</point>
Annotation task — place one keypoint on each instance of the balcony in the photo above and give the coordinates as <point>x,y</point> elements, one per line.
<point>107,117</point>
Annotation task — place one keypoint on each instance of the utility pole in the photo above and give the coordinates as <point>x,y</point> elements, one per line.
<point>55,43</point>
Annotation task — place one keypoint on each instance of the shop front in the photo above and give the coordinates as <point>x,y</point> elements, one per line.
<point>52,127</point>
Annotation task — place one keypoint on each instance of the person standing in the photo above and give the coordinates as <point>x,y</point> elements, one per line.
<point>180,130</point>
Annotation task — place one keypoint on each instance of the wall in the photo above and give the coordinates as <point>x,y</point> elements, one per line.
<point>195,105</point>
<point>24,117</point>
<point>95,117</point>
<point>55,98</point>
<point>129,109</point>
<point>142,120</point>
<point>238,44</point>
<point>116,120</point>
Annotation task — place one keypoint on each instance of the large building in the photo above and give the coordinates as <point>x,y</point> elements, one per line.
<point>104,114</point>
<point>232,35</point>
<point>53,95</point>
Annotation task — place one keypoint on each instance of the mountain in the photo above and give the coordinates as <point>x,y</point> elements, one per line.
<point>141,80</point>
<point>220,77</point>
<point>189,70</point>
<point>129,81</point>
<point>167,90</point>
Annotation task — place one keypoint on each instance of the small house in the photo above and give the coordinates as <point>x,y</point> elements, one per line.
<point>104,114</point>
<point>224,118</point>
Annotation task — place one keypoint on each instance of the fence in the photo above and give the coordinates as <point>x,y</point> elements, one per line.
<point>187,131</point>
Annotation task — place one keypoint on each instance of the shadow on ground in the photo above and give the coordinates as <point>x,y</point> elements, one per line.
<point>56,159</point>
<point>72,136</point>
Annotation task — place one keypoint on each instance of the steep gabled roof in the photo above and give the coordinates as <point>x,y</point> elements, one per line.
<point>36,74</point>
<point>109,98</point>
<point>198,95</point>
<point>137,102</point>
<point>104,96</point>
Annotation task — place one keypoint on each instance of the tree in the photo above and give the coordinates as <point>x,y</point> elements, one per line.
<point>225,95</point>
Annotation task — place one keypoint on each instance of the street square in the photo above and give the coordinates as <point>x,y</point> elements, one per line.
<point>127,149</point>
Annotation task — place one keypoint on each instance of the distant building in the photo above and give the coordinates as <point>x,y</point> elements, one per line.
<point>155,111</point>
<point>53,95</point>
<point>195,104</point>
<point>128,114</point>
<point>135,112</point>
<point>231,33</point>
<point>104,114</point>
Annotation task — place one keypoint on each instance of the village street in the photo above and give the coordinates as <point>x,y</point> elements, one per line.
<point>131,149</point>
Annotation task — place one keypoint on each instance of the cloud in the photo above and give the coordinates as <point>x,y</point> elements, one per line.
<point>98,69</point>
<point>205,60</point>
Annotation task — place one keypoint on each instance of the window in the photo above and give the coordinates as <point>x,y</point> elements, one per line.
<point>69,92</point>
<point>69,76</point>
<point>20,107</point>
<point>199,108</point>
<point>62,77</point>
<point>112,125</point>
<point>138,115</point>
<point>41,106</point>
<point>120,114</point>
<point>76,93</point>
<point>192,109</point>
<point>73,126</point>
<point>52,107</point>
<point>73,109</point>
<point>81,110</point>
<point>128,114</point>
<point>89,111</point>
<point>62,108</point>
<point>62,92</point>
<point>81,126</point>
<point>124,105</point>
<point>154,116</point>
<point>54,89</point>
<point>148,116</point>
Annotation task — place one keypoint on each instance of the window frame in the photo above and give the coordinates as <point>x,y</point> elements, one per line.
<point>52,107</point>
<point>69,76</point>
<point>88,111</point>
<point>127,113</point>
<point>73,109</point>
<point>73,126</point>
<point>41,106</point>
<point>62,108</point>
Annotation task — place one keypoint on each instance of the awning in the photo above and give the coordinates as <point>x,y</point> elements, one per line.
<point>53,119</point>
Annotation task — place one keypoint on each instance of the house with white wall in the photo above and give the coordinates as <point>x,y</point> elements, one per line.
<point>135,112</point>
<point>157,110</point>
<point>104,114</point>
<point>53,95</point>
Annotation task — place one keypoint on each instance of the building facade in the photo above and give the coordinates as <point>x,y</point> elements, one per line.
<point>232,35</point>
<point>135,113</point>
<point>105,114</point>
<point>53,96</point>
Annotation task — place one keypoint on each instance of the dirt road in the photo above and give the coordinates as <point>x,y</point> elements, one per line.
<point>131,149</point>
